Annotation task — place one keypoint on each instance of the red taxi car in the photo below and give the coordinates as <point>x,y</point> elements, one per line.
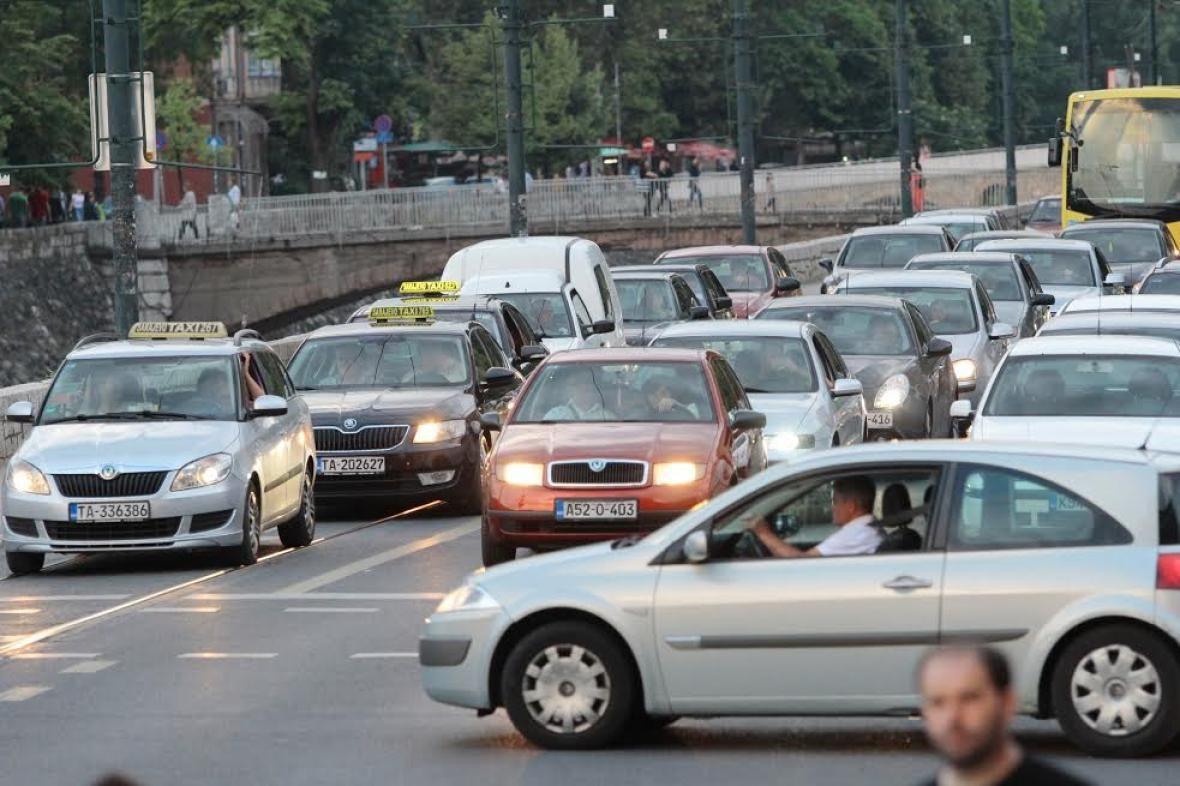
<point>609,442</point>
<point>751,275</point>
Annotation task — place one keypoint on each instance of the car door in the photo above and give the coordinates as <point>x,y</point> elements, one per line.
<point>848,411</point>
<point>799,636</point>
<point>743,444</point>
<point>936,380</point>
<point>996,348</point>
<point>280,486</point>
<point>583,323</point>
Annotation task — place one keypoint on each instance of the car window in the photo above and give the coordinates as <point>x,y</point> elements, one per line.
<point>737,272</point>
<point>948,310</point>
<point>631,392</point>
<point>824,345</point>
<point>1161,284</point>
<point>1030,278</point>
<point>604,292</point>
<point>273,380</point>
<point>547,312</point>
<point>921,327</point>
<point>829,368</point>
<point>731,390</point>
<point>1068,268</point>
<point>763,364</point>
<point>714,285</point>
<point>780,263</point>
<point>484,353</point>
<point>648,300</point>
<point>520,327</point>
<point>985,304</point>
<point>888,251</point>
<point>1086,386</point>
<point>1123,244</point>
<point>854,330</point>
<point>1000,280</point>
<point>581,313</point>
<point>1046,210</point>
<point>684,296</point>
<point>1001,508</point>
<point>396,360</point>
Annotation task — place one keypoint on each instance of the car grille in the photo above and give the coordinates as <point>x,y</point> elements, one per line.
<point>203,522</point>
<point>26,527</point>
<point>129,484</point>
<point>613,473</point>
<point>329,439</point>
<point>113,530</point>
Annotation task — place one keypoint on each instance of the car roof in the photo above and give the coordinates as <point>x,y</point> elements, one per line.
<point>1039,243</point>
<point>1113,319</point>
<point>941,219</point>
<point>476,302</point>
<point>687,267</point>
<point>513,281</point>
<point>710,251</point>
<point>628,355</point>
<point>1004,234</point>
<point>539,242</point>
<point>639,275</point>
<point>958,211</point>
<point>364,328</point>
<point>1095,345</point>
<point>827,301</point>
<point>956,279</point>
<point>1129,303</point>
<point>144,348</point>
<point>779,328</point>
<point>968,257</point>
<point>898,229</point>
<point>1115,223</point>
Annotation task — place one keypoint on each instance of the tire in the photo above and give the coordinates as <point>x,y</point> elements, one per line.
<point>493,551</point>
<point>246,552</point>
<point>1135,709</point>
<point>300,530</point>
<point>22,563</point>
<point>582,689</point>
<point>468,499</point>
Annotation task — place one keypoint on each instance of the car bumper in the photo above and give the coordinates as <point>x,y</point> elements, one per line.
<point>455,652</point>
<point>404,467</point>
<point>909,422</point>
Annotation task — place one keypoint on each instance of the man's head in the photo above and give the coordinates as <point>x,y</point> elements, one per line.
<point>967,703</point>
<point>656,390</point>
<point>852,497</point>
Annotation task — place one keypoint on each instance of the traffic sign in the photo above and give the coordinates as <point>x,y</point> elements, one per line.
<point>215,141</point>
<point>5,179</point>
<point>383,124</point>
<point>384,137</point>
<point>648,144</point>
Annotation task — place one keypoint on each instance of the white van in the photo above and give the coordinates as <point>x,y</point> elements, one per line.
<point>562,284</point>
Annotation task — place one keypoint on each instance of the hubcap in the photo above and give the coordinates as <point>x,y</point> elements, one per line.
<point>1116,690</point>
<point>566,689</point>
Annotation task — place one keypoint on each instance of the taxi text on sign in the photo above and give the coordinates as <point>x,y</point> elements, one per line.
<point>423,287</point>
<point>177,330</point>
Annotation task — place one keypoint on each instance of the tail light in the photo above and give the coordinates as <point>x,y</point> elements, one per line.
<point>1167,572</point>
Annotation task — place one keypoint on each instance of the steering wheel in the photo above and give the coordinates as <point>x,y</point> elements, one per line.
<point>750,546</point>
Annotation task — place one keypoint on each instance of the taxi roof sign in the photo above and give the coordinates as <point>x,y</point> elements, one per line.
<point>406,315</point>
<point>193,331</point>
<point>428,287</point>
<point>432,300</point>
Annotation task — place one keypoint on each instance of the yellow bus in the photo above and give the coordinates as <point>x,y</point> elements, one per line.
<point>1119,153</point>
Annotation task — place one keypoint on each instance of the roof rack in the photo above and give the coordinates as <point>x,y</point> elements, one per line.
<point>244,334</point>
<point>95,338</point>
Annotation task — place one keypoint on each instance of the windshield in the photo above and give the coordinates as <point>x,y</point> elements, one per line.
<point>1091,386</point>
<point>877,251</point>
<point>854,330</point>
<point>764,364</point>
<point>1161,284</point>
<point>1128,160</point>
<point>546,312</point>
<point>1046,211</point>
<point>379,360</point>
<point>948,311</point>
<point>1060,268</point>
<point>965,227</point>
<point>1123,245</point>
<point>738,273</point>
<point>647,301</point>
<point>202,388</point>
<point>998,279</point>
<point>617,392</point>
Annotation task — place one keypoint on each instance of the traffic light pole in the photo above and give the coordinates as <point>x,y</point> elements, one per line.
<point>1009,88</point>
<point>905,118</point>
<point>744,79</point>
<point>121,114</point>
<point>513,25</point>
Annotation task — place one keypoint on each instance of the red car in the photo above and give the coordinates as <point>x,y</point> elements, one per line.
<point>752,275</point>
<point>609,442</point>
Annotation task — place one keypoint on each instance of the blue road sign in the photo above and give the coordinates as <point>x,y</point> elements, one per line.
<point>384,137</point>
<point>215,141</point>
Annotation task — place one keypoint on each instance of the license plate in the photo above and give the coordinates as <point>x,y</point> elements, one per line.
<point>86,512</point>
<point>351,465</point>
<point>879,419</point>
<point>597,509</point>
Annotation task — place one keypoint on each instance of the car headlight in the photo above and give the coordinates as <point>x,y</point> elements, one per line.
<point>788,440</point>
<point>205,471</point>
<point>892,394</point>
<point>518,473</point>
<point>677,473</point>
<point>24,477</point>
<point>469,597</point>
<point>964,369</point>
<point>439,431</point>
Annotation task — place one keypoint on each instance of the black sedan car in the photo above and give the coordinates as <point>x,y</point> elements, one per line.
<point>701,280</point>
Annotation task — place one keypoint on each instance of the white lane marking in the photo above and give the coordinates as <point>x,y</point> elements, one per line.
<point>21,612</point>
<point>22,692</point>
<point>47,598</point>
<point>89,667</point>
<point>180,610</point>
<point>330,610</point>
<point>317,596</point>
<point>373,561</point>
<point>56,655</point>
<point>377,655</point>
<point>227,655</point>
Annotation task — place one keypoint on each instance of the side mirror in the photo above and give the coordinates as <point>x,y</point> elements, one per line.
<point>826,264</point>
<point>20,412</point>
<point>269,407</point>
<point>1001,330</point>
<point>490,421</point>
<point>847,387</point>
<point>602,326</point>
<point>497,379</point>
<point>1043,299</point>
<point>938,347</point>
<point>965,386</point>
<point>724,302</point>
<point>696,546</point>
<point>1115,280</point>
<point>699,312</point>
<point>1056,145</point>
<point>746,419</point>
<point>961,410</point>
<point>533,352</point>
<point>786,285</point>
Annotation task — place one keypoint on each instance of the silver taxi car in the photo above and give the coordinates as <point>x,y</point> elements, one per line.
<point>993,543</point>
<point>175,438</point>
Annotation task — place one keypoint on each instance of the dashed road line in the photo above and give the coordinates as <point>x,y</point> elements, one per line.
<point>20,612</point>
<point>89,667</point>
<point>56,655</point>
<point>330,610</point>
<point>382,655</point>
<point>23,692</point>
<point>227,655</point>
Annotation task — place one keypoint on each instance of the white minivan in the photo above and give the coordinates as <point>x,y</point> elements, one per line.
<point>562,284</point>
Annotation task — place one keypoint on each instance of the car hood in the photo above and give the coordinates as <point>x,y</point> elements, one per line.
<point>1063,294</point>
<point>559,344</point>
<point>746,304</point>
<point>138,445</point>
<point>963,345</point>
<point>783,411</point>
<point>372,405</point>
<point>1109,432</point>
<point>639,334</point>
<point>1011,311</point>
<point>635,441</point>
<point>872,370</point>
<point>581,573</point>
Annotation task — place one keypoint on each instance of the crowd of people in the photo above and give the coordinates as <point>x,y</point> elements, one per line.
<point>41,206</point>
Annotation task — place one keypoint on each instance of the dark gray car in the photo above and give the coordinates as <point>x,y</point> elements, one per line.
<point>652,300</point>
<point>701,280</point>
<point>1131,246</point>
<point>883,248</point>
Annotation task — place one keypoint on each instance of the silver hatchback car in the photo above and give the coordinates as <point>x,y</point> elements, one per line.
<point>997,543</point>
<point>177,438</point>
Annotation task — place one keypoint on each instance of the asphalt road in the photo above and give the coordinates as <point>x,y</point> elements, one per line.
<point>301,670</point>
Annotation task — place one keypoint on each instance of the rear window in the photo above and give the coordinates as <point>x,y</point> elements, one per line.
<point>1123,245</point>
<point>999,280</point>
<point>1161,284</point>
<point>1046,210</point>
<point>948,311</point>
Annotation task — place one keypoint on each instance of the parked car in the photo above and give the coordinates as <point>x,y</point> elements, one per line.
<point>753,276</point>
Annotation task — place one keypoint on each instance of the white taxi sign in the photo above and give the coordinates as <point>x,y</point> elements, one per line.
<point>428,287</point>
<point>385,315</point>
<point>440,299</point>
<point>159,331</point>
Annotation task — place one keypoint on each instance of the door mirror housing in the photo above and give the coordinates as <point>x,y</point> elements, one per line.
<point>699,312</point>
<point>827,264</point>
<point>938,347</point>
<point>746,419</point>
<point>961,410</point>
<point>490,421</point>
<point>786,285</point>
<point>20,412</point>
<point>1043,299</point>
<point>497,379</point>
<point>1115,280</point>
<point>1000,330</point>
<point>602,326</point>
<point>533,352</point>
<point>696,547</point>
<point>269,407</point>
<point>847,387</point>
<point>1056,146</point>
<point>724,302</point>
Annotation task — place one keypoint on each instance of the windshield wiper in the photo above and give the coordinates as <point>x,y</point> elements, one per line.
<point>102,416</point>
<point>170,415</point>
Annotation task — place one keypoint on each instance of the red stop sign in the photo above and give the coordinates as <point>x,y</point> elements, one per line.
<point>648,144</point>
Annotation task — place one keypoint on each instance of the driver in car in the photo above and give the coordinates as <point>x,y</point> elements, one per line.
<point>852,513</point>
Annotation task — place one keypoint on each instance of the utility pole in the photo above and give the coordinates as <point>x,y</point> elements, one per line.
<point>513,25</point>
<point>1009,88</point>
<point>618,111</point>
<point>1153,69</point>
<point>744,82</point>
<point>1087,68</point>
<point>905,118</point>
<point>121,114</point>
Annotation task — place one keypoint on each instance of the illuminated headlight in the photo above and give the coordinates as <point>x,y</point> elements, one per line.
<point>892,394</point>
<point>439,431</point>
<point>469,597</point>
<point>521,474</point>
<point>781,443</point>
<point>677,473</point>
<point>203,472</point>
<point>24,477</point>
<point>964,370</point>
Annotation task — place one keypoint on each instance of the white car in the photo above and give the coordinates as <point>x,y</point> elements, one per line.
<point>1129,304</point>
<point>792,374</point>
<point>1099,390</point>
<point>1066,269</point>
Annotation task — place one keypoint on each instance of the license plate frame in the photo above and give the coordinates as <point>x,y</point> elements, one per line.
<point>101,512</point>
<point>596,509</point>
<point>879,420</point>
<point>350,465</point>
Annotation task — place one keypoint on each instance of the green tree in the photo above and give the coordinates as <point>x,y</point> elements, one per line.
<point>176,116</point>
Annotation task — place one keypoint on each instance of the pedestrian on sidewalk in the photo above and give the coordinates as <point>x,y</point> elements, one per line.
<point>77,201</point>
<point>771,194</point>
<point>89,208</point>
<point>917,186</point>
<point>57,211</point>
<point>39,206</point>
<point>18,209</point>
<point>3,216</point>
<point>694,183</point>
<point>665,174</point>
<point>188,214</point>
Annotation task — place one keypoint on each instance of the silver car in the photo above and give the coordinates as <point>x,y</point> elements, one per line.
<point>653,299</point>
<point>997,543</point>
<point>958,309</point>
<point>158,442</point>
<point>883,248</point>
<point>1010,283</point>
<point>792,374</point>
<point>1129,304</point>
<point>958,223</point>
<point>1160,324</point>
<point>1066,269</point>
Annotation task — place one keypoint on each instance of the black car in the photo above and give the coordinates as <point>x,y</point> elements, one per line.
<point>701,280</point>
<point>652,299</point>
<point>1132,246</point>
<point>508,326</point>
<point>395,405</point>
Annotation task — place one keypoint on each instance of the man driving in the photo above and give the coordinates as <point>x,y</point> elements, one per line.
<point>440,364</point>
<point>661,401</point>
<point>852,513</point>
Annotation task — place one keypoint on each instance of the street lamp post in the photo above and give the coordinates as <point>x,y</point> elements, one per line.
<point>744,83</point>
<point>1087,68</point>
<point>513,25</point>
<point>1153,69</point>
<point>122,132</point>
<point>905,118</point>
<point>1009,88</point>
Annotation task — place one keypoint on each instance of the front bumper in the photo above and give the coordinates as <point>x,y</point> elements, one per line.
<point>909,422</point>
<point>455,652</point>
<point>403,465</point>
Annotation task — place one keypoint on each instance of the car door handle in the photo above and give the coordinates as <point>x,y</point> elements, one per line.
<point>908,583</point>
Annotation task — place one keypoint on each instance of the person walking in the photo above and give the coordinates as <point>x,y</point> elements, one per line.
<point>664,175</point>
<point>968,704</point>
<point>917,186</point>
<point>771,194</point>
<point>76,203</point>
<point>18,209</point>
<point>694,183</point>
<point>188,214</point>
<point>89,208</point>
<point>39,206</point>
<point>57,212</point>
<point>3,216</point>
